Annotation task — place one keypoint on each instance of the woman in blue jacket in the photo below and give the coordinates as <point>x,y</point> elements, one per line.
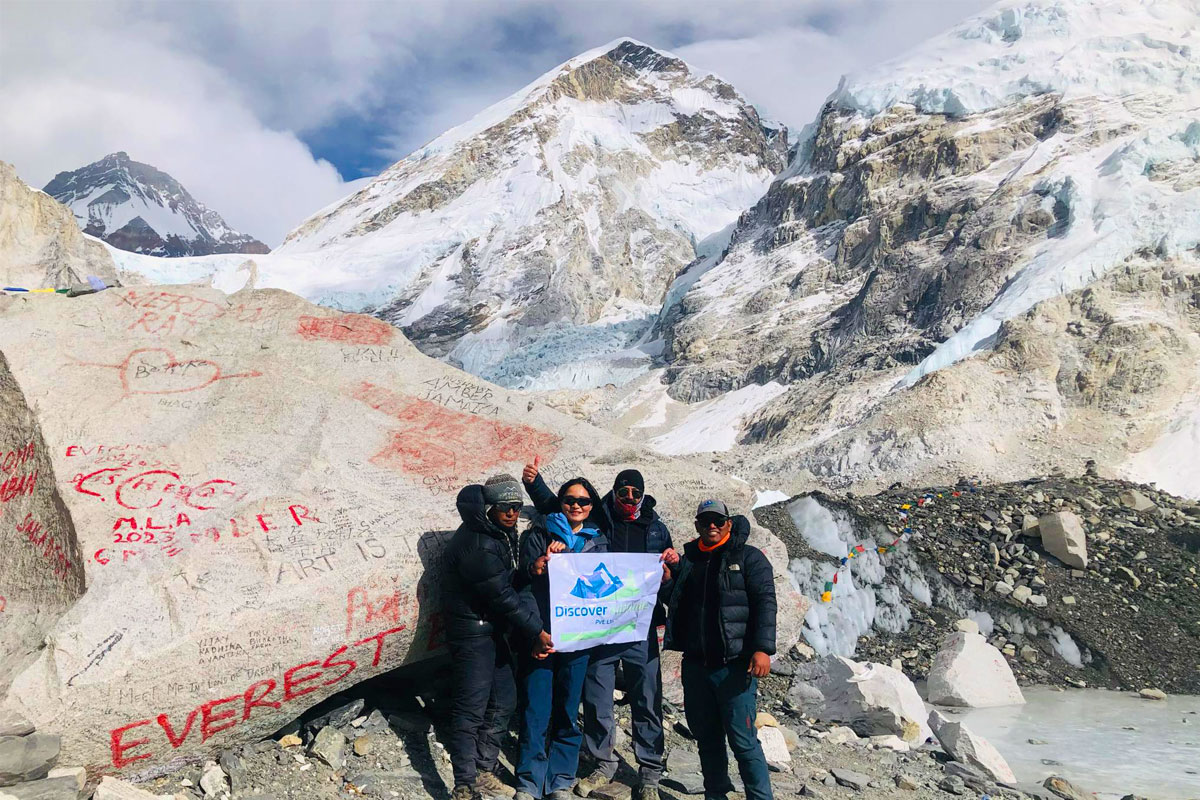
<point>550,737</point>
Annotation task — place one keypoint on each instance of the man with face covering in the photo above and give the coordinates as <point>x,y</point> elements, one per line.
<point>627,515</point>
<point>482,609</point>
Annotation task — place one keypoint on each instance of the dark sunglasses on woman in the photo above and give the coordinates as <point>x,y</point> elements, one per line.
<point>504,508</point>
<point>577,501</point>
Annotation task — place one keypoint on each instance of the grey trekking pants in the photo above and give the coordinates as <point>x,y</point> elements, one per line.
<point>643,685</point>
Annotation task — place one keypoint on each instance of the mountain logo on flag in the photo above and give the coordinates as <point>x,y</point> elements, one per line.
<point>600,583</point>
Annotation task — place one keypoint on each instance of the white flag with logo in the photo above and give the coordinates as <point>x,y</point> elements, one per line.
<point>602,598</point>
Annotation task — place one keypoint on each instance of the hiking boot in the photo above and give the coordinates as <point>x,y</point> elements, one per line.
<point>488,785</point>
<point>647,792</point>
<point>591,783</point>
<point>465,792</point>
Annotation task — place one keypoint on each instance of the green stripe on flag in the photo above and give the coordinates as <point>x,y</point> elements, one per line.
<point>579,637</point>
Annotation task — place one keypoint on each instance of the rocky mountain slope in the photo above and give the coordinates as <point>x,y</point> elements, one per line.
<point>42,247</point>
<point>533,245</point>
<point>983,259</point>
<point>136,207</point>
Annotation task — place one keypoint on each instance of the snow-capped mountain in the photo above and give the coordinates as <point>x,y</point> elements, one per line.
<point>982,259</point>
<point>534,244</point>
<point>139,208</point>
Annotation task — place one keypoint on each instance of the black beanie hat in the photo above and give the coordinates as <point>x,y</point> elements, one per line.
<point>630,477</point>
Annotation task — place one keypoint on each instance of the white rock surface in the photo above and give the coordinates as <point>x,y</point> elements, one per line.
<point>969,748</point>
<point>774,745</point>
<point>258,490</point>
<point>874,699</point>
<point>111,788</point>
<point>967,671</point>
<point>1064,538</point>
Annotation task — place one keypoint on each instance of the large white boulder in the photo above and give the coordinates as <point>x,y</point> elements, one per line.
<point>873,699</point>
<point>970,748</point>
<point>1064,538</point>
<point>967,671</point>
<point>226,508</point>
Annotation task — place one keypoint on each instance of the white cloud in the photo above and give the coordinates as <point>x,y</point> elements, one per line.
<point>220,94</point>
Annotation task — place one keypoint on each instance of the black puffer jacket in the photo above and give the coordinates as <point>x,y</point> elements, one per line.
<point>479,594</point>
<point>746,593</point>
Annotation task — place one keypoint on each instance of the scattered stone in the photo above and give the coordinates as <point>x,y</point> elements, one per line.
<point>329,747</point>
<point>1064,538</point>
<point>952,784</point>
<point>967,671</point>
<point>802,651</point>
<point>77,774</point>
<point>683,771</point>
<point>1022,594</point>
<point>64,788</point>
<point>13,724</point>
<point>116,789</point>
<point>890,742</point>
<point>362,745</point>
<point>1136,500</point>
<point>969,748</point>
<point>872,698</point>
<point>774,745</point>
<point>1038,600</point>
<point>1029,654</point>
<point>26,758</point>
<point>291,740</point>
<point>967,626</point>
<point>1029,526</point>
<point>847,777</point>
<point>1064,789</point>
<point>213,781</point>
<point>808,791</point>
<point>1069,600</point>
<point>1003,588</point>
<point>907,782</point>
<point>765,720</point>
<point>1129,576</point>
<point>1153,694</point>
<point>1037,741</point>
<point>839,734</point>
<point>339,717</point>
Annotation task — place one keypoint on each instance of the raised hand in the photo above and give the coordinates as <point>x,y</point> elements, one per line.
<point>530,473</point>
<point>556,547</point>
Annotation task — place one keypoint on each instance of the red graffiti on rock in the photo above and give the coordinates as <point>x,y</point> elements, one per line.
<point>347,329</point>
<point>434,440</point>
<point>19,481</point>
<point>224,713</point>
<point>171,313</point>
<point>156,370</point>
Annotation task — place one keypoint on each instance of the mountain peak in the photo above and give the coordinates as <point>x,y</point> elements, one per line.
<point>138,207</point>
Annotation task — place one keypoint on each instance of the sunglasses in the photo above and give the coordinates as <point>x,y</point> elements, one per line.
<point>576,501</point>
<point>629,492</point>
<point>505,508</point>
<point>706,521</point>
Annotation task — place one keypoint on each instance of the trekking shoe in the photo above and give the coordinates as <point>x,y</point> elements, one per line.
<point>591,783</point>
<point>488,785</point>
<point>647,792</point>
<point>465,792</point>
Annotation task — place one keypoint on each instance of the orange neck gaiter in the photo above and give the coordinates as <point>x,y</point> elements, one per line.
<point>708,548</point>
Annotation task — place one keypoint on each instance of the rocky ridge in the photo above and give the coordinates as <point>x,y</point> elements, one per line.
<point>1130,620</point>
<point>139,208</point>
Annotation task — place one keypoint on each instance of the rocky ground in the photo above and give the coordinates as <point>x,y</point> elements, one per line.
<point>1134,611</point>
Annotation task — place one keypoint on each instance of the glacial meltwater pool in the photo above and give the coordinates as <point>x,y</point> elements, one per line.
<point>1111,743</point>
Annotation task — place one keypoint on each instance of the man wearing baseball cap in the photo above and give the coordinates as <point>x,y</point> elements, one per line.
<point>721,615</point>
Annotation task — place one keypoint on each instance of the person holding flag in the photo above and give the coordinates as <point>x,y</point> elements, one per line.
<point>627,515</point>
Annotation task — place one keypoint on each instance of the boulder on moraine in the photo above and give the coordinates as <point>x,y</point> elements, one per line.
<point>219,510</point>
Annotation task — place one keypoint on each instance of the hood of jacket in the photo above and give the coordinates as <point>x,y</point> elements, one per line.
<point>473,510</point>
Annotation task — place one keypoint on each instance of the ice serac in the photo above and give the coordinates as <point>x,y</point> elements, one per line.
<point>981,260</point>
<point>42,247</point>
<point>533,245</point>
<point>136,207</point>
<point>967,671</point>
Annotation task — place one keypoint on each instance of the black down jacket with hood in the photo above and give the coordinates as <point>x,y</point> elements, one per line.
<point>479,594</point>
<point>746,589</point>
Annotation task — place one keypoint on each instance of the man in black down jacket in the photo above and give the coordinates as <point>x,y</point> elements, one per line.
<point>627,515</point>
<point>721,614</point>
<point>481,607</point>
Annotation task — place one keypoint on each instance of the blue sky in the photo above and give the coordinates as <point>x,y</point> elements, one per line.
<point>269,110</point>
